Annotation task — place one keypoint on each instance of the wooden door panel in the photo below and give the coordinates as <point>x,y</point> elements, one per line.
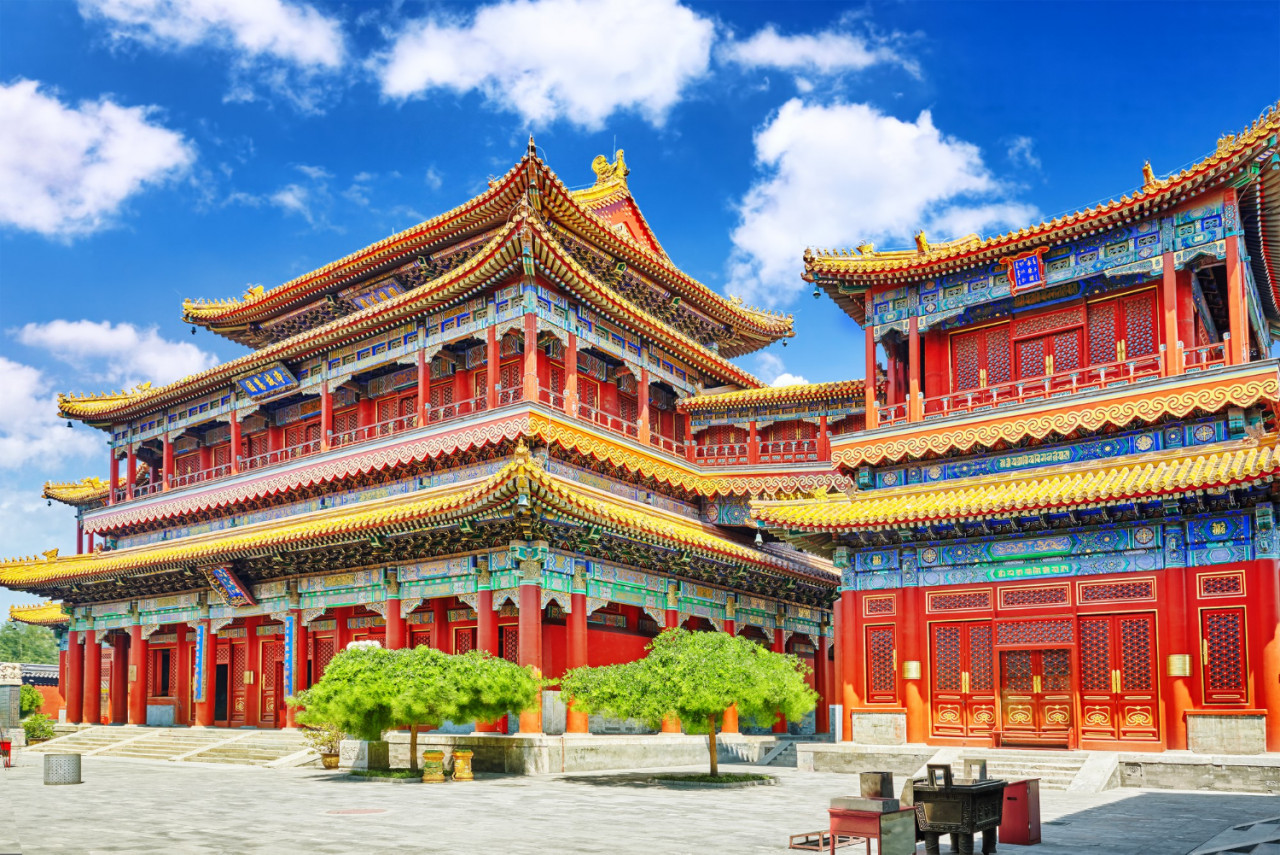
<point>1222,636</point>
<point>882,656</point>
<point>963,696</point>
<point>1118,678</point>
<point>237,686</point>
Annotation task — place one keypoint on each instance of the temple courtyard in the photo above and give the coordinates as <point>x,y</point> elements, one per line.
<point>211,808</point>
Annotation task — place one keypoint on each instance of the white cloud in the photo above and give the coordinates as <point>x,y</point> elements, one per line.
<point>284,47</point>
<point>834,175</point>
<point>66,171</point>
<point>1022,152</point>
<point>826,52</point>
<point>580,60</point>
<point>119,354</point>
<point>30,431</point>
<point>771,369</point>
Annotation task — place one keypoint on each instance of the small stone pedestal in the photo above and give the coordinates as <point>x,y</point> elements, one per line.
<point>358,754</point>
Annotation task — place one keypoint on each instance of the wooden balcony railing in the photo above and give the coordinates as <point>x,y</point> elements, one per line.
<point>390,427</point>
<point>789,451</point>
<point>731,454</point>
<point>1205,356</point>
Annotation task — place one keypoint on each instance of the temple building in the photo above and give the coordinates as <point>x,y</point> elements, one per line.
<point>486,431</point>
<point>1062,530</point>
<point>1045,519</point>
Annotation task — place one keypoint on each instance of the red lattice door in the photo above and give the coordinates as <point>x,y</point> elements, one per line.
<point>464,640</point>
<point>239,663</point>
<point>1222,656</point>
<point>420,638</point>
<point>963,699</point>
<point>882,665</point>
<point>1118,678</point>
<point>1035,695</point>
<point>1049,354</point>
<point>271,701</point>
<point>509,643</point>
<point>980,358</point>
<point>322,650</point>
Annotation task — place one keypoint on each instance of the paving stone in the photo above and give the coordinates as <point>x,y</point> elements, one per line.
<point>156,806</point>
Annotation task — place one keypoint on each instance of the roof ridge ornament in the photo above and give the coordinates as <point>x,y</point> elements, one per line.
<point>610,174</point>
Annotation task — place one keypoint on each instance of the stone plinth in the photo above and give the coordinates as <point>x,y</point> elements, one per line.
<point>879,728</point>
<point>1237,732</point>
<point>358,754</point>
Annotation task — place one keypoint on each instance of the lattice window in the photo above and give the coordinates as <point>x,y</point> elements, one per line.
<point>981,673</point>
<point>1136,656</point>
<point>1224,663</point>
<point>947,666</point>
<point>1018,671</point>
<point>480,387</point>
<point>511,643</point>
<point>1140,325</point>
<point>1095,655</point>
<point>1049,321</point>
<point>237,681</point>
<point>187,464</point>
<point>628,409</point>
<point>1102,332</point>
<point>1107,592</point>
<point>346,421</point>
<point>1056,665</point>
<point>222,455</point>
<point>1066,351</point>
<point>965,350</point>
<point>272,653</point>
<point>959,601</point>
<point>464,641</point>
<point>1223,585</point>
<point>878,606</point>
<point>1033,632</point>
<point>557,379</point>
<point>1031,358</point>
<point>881,676</point>
<point>512,344</point>
<point>999,365</point>
<point>441,395</point>
<point>323,652</point>
<point>223,656</point>
<point>509,375</point>
<point>1014,598</point>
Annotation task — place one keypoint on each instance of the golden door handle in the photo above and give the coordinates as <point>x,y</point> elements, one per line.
<point>982,378</point>
<point>1204,650</point>
<point>1115,682</point>
<point>1048,364</point>
<point>964,682</point>
<point>1035,684</point>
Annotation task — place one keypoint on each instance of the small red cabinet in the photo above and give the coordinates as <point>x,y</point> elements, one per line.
<point>1020,823</point>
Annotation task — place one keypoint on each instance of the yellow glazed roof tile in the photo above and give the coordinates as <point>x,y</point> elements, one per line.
<point>772,395</point>
<point>47,613</point>
<point>1059,487</point>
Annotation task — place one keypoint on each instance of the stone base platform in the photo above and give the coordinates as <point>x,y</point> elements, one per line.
<point>518,754</point>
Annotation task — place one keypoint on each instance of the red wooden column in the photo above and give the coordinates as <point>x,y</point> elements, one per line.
<point>530,638</point>
<point>326,415</point>
<point>1169,302</point>
<point>235,442</point>
<point>73,690</point>
<point>137,676</point>
<point>642,409</point>
<point>493,362</point>
<point>167,477</point>
<point>113,477</point>
<point>62,678</point>
<point>671,620</point>
<point>253,664</point>
<point>118,691</point>
<point>204,706</point>
<point>872,418</point>
<point>822,716</point>
<point>779,646</point>
<point>424,384</point>
<point>131,472</point>
<point>1177,640</point>
<point>576,650</point>
<point>730,721</point>
<point>753,443</point>
<point>837,657</point>
<point>92,704</point>
<point>1237,313</point>
<point>824,439</point>
<point>486,634</point>
<point>79,534</point>
<point>913,368</point>
<point>186,654</point>
<point>913,650</point>
<point>848,646</point>
<point>571,375</point>
<point>530,358</point>
<point>1268,607</point>
<point>395,620</point>
<point>299,663</point>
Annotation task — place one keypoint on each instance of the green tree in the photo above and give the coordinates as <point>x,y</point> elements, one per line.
<point>25,642</point>
<point>367,691</point>
<point>696,676</point>
<point>30,700</point>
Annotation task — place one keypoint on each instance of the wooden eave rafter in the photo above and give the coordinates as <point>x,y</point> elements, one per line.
<point>846,275</point>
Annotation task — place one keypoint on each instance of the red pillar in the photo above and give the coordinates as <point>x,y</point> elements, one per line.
<point>1268,695</point>
<point>530,361</point>
<point>869,384</point>
<point>1177,623</point>
<point>79,535</point>
<point>395,624</point>
<point>730,721</point>
<point>299,663</point>
<point>92,705</point>
<point>131,472</point>
<point>642,408</point>
<point>779,646</point>
<point>849,656</point>
<point>235,442</point>
<point>530,637</point>
<point>253,663</point>
<point>753,443</point>
<point>1237,314</point>
<point>137,676</point>
<point>326,415</point>
<point>185,650</point>
<point>486,637</point>
<point>571,375</point>
<point>167,478</point>
<point>204,707</point>
<point>440,639</point>
<point>824,439</point>
<point>576,654</point>
<point>113,477</point>
<point>914,651</point>
<point>1169,302</point>
<point>73,690</point>
<point>913,369</point>
<point>119,688</point>
<point>671,618</point>
<point>493,362</point>
<point>822,717</point>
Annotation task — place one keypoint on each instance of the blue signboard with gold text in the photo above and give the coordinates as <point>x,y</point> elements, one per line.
<point>1026,271</point>
<point>267,382</point>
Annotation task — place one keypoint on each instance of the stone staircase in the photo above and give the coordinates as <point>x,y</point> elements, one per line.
<point>86,740</point>
<point>169,743</point>
<point>1057,770</point>
<point>257,748</point>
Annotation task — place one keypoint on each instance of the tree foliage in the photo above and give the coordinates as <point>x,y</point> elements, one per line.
<point>696,676</point>
<point>30,700</point>
<point>29,643</point>
<point>367,691</point>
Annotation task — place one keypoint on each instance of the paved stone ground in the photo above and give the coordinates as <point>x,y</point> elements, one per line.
<point>146,806</point>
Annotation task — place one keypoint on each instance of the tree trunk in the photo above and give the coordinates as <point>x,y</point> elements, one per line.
<point>413,748</point>
<point>711,744</point>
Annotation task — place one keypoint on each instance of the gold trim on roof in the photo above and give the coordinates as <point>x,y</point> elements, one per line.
<point>773,395</point>
<point>41,614</point>
<point>1057,488</point>
<point>86,491</point>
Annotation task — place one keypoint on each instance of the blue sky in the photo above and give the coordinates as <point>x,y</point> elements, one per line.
<point>152,150</point>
